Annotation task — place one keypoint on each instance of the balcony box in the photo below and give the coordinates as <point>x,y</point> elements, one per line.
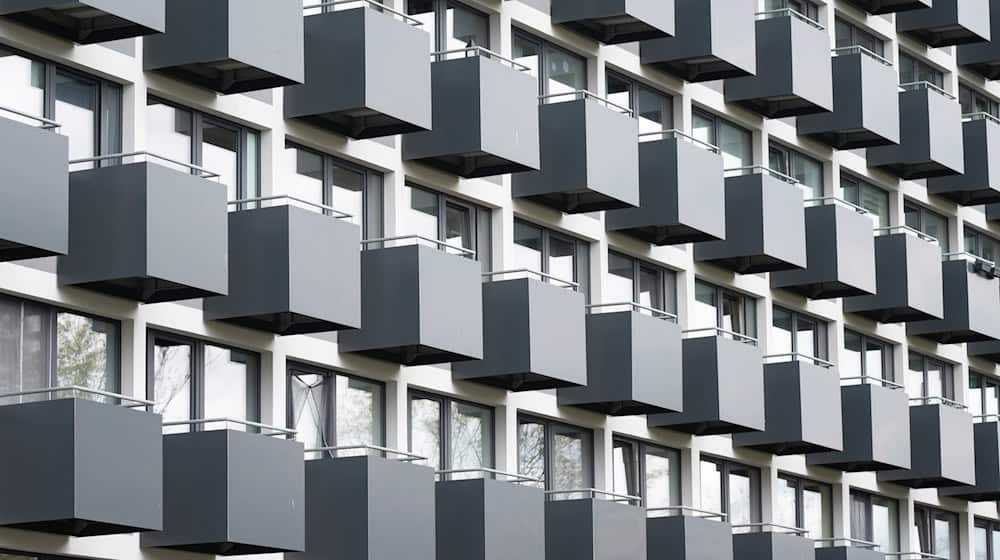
<point>879,7</point>
<point>980,184</point>
<point>723,389</point>
<point>849,553</point>
<point>81,468</point>
<point>34,197</point>
<point>841,255</point>
<point>683,537</point>
<point>633,365</point>
<point>772,545</point>
<point>616,21</point>
<point>711,41</point>
<point>89,21</point>
<point>986,436</point>
<point>801,411</point>
<point>485,519</point>
<point>418,306</point>
<point>930,132</point>
<point>368,507</point>
<point>594,529</point>
<point>291,271</point>
<point>230,492</point>
<point>908,286</point>
<point>682,192</point>
<point>874,438</point>
<point>942,451</point>
<point>794,73</point>
<point>485,120</point>
<point>146,232</point>
<point>948,22</point>
<point>986,350</point>
<point>356,93</point>
<point>865,104</point>
<point>217,44</point>
<point>971,307</point>
<point>765,227</point>
<point>590,159</point>
<point>535,337</point>
<point>984,56</point>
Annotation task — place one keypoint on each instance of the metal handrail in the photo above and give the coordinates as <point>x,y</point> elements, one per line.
<point>481,51</point>
<point>980,116</point>
<point>584,94</point>
<point>286,432</point>
<point>332,211</point>
<point>595,493</point>
<point>656,313</point>
<point>923,555</point>
<point>739,337</point>
<point>924,84</point>
<point>858,49</point>
<point>541,276</point>
<point>204,173</point>
<point>517,478</point>
<point>834,200</point>
<point>707,514</point>
<point>438,243</point>
<point>793,355</point>
<point>986,417</point>
<point>908,230</point>
<point>969,257</point>
<point>764,170</point>
<point>373,4</point>
<point>877,381</point>
<point>940,400</point>
<point>788,529</point>
<point>405,456</point>
<point>768,14</point>
<point>77,388</point>
<point>45,123</point>
<point>682,135</point>
<point>860,543</point>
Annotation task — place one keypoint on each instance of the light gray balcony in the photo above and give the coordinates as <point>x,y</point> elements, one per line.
<point>294,268</point>
<point>841,253</point>
<point>874,438</point>
<point>865,104</point>
<point>765,225</point>
<point>419,305</point>
<point>986,437</point>
<point>495,517</point>
<point>616,21</point>
<point>363,503</point>
<point>34,197</point>
<point>485,119</point>
<point>712,41</point>
<point>145,231</point>
<point>681,192</point>
<point>942,451</point>
<point>794,75</point>
<point>802,409</point>
<point>723,385</point>
<point>971,303</point>
<point>948,22</point>
<point>930,128</point>
<point>908,286</point>
<point>590,156</point>
<point>89,21</point>
<point>848,549</point>
<point>217,44</point>
<point>768,541</point>
<point>593,525</point>
<point>78,466</point>
<point>633,362</point>
<point>356,93</point>
<point>984,56</point>
<point>684,533</point>
<point>879,7</point>
<point>980,184</point>
<point>534,331</point>
<point>229,491</point>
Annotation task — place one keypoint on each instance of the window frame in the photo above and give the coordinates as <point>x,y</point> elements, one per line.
<point>888,351</point>
<point>857,37</point>
<point>294,368</point>
<point>666,281</point>
<point>868,499</point>
<point>639,450</point>
<point>544,47</point>
<point>482,222</point>
<point>991,527</point>
<point>634,87</point>
<point>934,514</point>
<point>947,372</point>
<point>983,382</point>
<point>749,305</point>
<point>444,424</point>
<point>979,238</point>
<point>718,122</point>
<point>922,213</point>
<point>863,186</point>
<point>440,10</point>
<point>789,158</point>
<point>726,468</point>
<point>918,65</point>
<point>821,337</point>
<point>799,487</point>
<point>549,427</point>
<point>581,266</point>
<point>978,97</point>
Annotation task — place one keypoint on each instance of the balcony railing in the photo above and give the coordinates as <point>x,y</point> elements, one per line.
<point>576,95</point>
<point>984,267</point>
<point>632,306</point>
<point>788,12</point>
<point>472,51</point>
<point>797,357</point>
<point>335,5</point>
<point>417,240</point>
<point>835,201</point>
<point>980,116</point>
<point>872,380</point>
<point>547,278</point>
<point>858,49</point>
<point>122,400</point>
<point>593,493</point>
<point>119,159</point>
<point>887,230</point>
<point>847,541</point>
<point>247,203</point>
<point>485,472</point>
<point>366,449</point>
<point>914,555</point>
<point>263,429</point>
<point>938,400</point>
<point>680,135</point>
<point>686,511</point>
<point>983,418</point>
<point>719,331</point>
<point>42,121</point>
<point>770,528</point>
<point>914,86</point>
<point>760,170</point>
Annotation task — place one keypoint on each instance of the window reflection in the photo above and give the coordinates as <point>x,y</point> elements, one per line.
<point>76,111</point>
<point>422,213</point>
<point>221,154</point>
<point>425,432</point>
<point>328,410</point>
<point>172,374</point>
<point>24,86</point>
<point>566,450</point>
<point>229,381</point>
<point>168,133</point>
<point>531,449</point>
<point>306,182</point>
<point>471,436</point>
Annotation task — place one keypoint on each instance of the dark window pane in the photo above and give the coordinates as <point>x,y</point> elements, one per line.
<point>466,28</point>
<point>621,279</point>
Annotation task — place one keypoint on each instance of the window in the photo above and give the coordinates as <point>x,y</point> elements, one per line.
<point>462,25</point>
<point>974,102</point>
<point>981,245</point>
<point>329,409</point>
<point>631,280</point>
<point>560,455</point>
<point>189,379</point>
<point>735,142</point>
<point>984,396</point>
<point>654,110</point>
<point>541,250</point>
<point>865,356</point>
<point>928,377</point>
<point>732,489</point>
<point>456,222</point>
<point>867,196</point>
<point>936,532</point>
<point>804,7</point>
<point>452,434</point>
<point>727,310</point>
<point>648,471</point>
<point>805,504</point>
<point>850,35</point>
<point>42,346</point>
<point>875,519</point>
<point>928,222</point>
<point>795,333</point>
<point>806,170</point>
<point>558,70</point>
<point>913,70</point>
<point>986,540</point>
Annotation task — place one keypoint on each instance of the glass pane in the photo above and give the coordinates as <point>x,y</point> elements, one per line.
<point>531,449</point>
<point>76,111</point>
<point>619,91</point>
<point>736,144</point>
<point>359,412</point>
<point>781,332</point>
<point>220,149</point>
<point>423,10</point>
<point>650,288</point>
<point>168,133</point>
<point>466,28</point>
<point>995,539</point>
<point>936,226</point>
<point>621,279</point>
<point>777,160</point>
<point>935,379</point>
<point>885,525</point>
<point>526,52</point>
<point>942,538</point>
<point>252,187</point>
<point>711,487</point>
<point>850,360</point>
<point>915,377</point>
<point>172,380</point>
<point>562,258</point>
<point>809,173</point>
<point>875,360</point>
<point>471,436</point>
<point>228,385</point>
<point>527,247</point>
<point>981,543</point>
<point>653,110</point>
<point>35,350</point>
<point>703,127</point>
<point>975,395</point>
<point>425,430</point>
<point>806,337</point>
<point>992,396</point>
<point>624,468</point>
<point>662,485</point>
<point>570,449</point>
<point>911,216</point>
<point>740,498</point>
<point>422,213</point>
<point>816,503</point>
<point>732,313</point>
<point>310,410</point>
<point>458,226</point>
<point>787,506</point>
<point>86,353</point>
<point>348,193</point>
<point>10,345</point>
<point>23,86</point>
<point>704,313</point>
<point>306,182</point>
<point>564,72</point>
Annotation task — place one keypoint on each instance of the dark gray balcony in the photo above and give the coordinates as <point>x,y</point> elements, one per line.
<point>616,21</point>
<point>930,126</point>
<point>841,253</point>
<point>765,225</point>
<point>984,56</point>
<point>292,269</point>
<point>801,408</point>
<point>723,386</point>
<point>633,362</point>
<point>681,190</point>
<point>865,104</point>
<point>231,492</point>
<point>948,22</point>
<point>874,438</point>
<point>485,118</point>
<point>971,303</point>
<point>419,305</point>
<point>687,534</point>
<point>80,467</point>
<point>594,527</point>
<point>879,7</point>
<point>217,44</point>
<point>368,506</point>
<point>848,549</point>
<point>535,335</point>
<point>794,75</point>
<point>942,451</point>
<point>980,184</point>
<point>34,198</point>
<point>89,21</point>
<point>987,350</point>
<point>355,93</point>
<point>907,284</point>
<point>772,542</point>
<point>711,41</point>
<point>496,517</point>
<point>590,156</point>
<point>146,232</point>
<point>986,437</point>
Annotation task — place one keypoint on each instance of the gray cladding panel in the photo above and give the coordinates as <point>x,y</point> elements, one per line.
<point>593,529</point>
<point>772,546</point>
<point>400,504</point>
<point>848,553</point>
<point>984,56</point>
<point>508,102</point>
<point>908,283</point>
<point>943,454</point>
<point>948,22</point>
<point>874,436</point>
<point>249,20</point>
<point>616,21</point>
<point>987,449</point>
<point>484,519</point>
<point>451,303</point>
<point>971,307</point>
<point>980,184</point>
<point>688,538</point>
<point>929,138</point>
